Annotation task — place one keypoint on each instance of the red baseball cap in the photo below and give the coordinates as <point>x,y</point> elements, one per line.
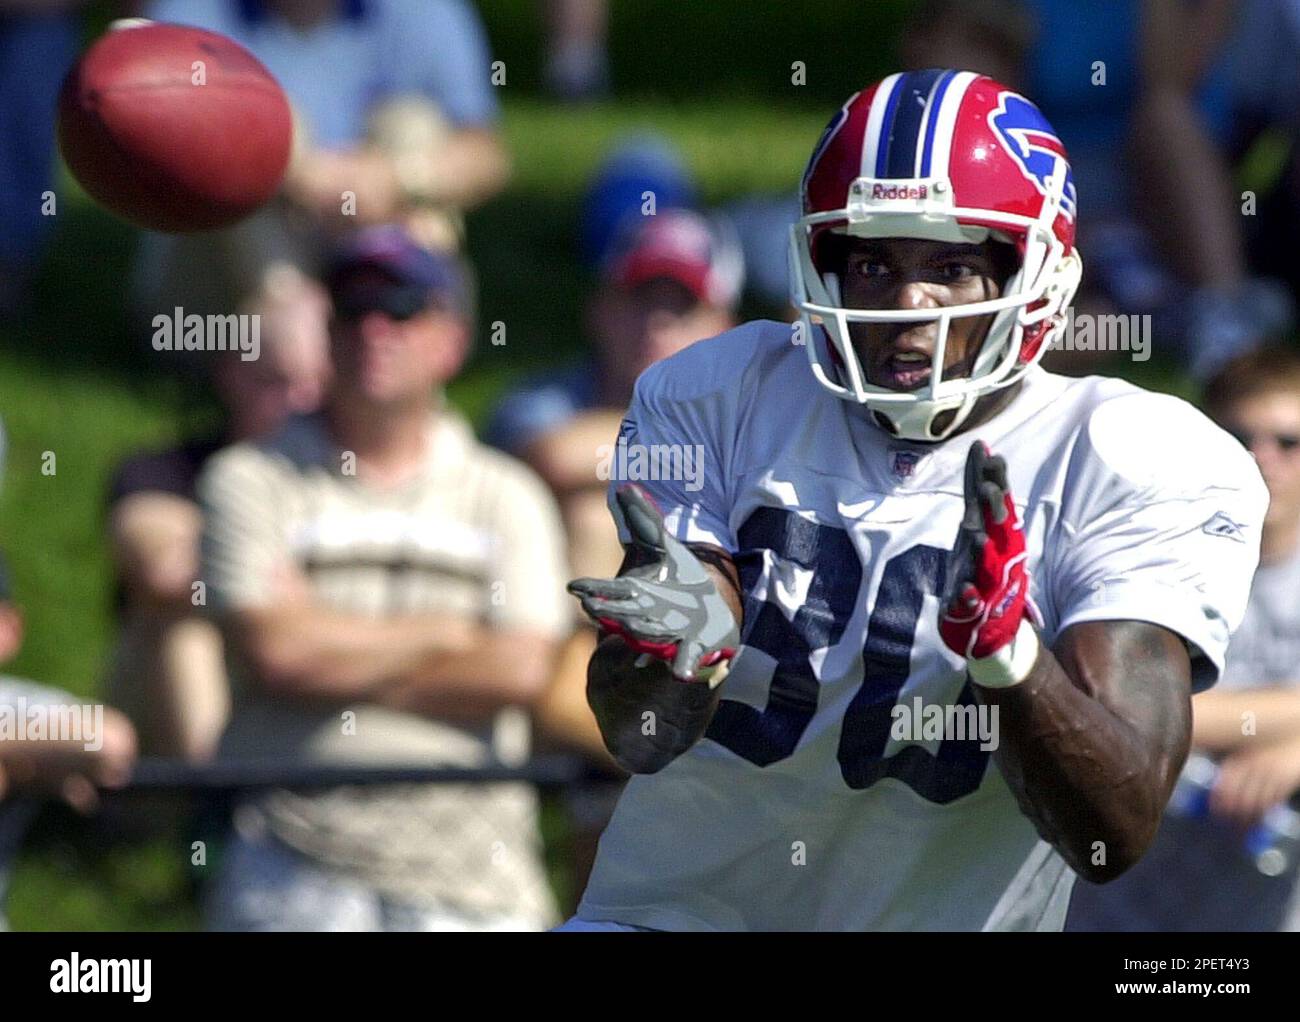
<point>684,246</point>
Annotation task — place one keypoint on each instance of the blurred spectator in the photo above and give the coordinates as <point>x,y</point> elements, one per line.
<point>577,61</point>
<point>1264,66</point>
<point>1196,876</point>
<point>639,171</point>
<point>1179,139</point>
<point>168,673</point>
<point>992,37</point>
<point>1143,100</point>
<point>762,223</point>
<point>38,42</point>
<point>391,592</point>
<point>669,280</point>
<point>62,765</point>
<point>395,120</point>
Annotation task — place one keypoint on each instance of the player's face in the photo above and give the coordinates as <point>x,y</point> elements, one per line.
<point>1269,426</point>
<point>909,273</point>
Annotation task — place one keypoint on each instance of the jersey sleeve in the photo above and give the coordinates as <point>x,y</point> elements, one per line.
<point>1160,522</point>
<point>674,444</point>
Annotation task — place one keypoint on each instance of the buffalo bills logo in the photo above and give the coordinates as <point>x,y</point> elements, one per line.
<point>1031,142</point>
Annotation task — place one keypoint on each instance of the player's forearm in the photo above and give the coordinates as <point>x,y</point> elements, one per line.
<point>1223,721</point>
<point>312,652</point>
<point>1093,783</point>
<point>647,718</point>
<point>494,668</point>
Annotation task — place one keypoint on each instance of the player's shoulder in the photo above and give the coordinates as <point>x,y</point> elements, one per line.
<point>760,353</point>
<point>1154,441</point>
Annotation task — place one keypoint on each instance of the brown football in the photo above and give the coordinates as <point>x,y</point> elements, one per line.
<point>174,128</point>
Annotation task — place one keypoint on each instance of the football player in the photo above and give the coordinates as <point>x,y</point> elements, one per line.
<point>925,519</point>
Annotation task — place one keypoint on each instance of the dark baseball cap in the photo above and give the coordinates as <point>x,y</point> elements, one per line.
<point>385,269</point>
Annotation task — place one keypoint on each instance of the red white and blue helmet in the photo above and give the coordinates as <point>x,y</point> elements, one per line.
<point>944,156</point>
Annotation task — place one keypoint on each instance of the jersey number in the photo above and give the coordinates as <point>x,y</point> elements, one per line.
<point>831,564</point>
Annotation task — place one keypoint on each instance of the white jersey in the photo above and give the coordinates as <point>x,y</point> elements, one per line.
<point>801,808</point>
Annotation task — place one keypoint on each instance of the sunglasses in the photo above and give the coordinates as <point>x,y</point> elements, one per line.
<point>1285,442</point>
<point>399,302</point>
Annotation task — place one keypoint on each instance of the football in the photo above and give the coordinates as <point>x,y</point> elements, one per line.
<point>174,128</point>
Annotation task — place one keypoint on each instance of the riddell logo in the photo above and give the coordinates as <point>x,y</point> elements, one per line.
<point>900,191</point>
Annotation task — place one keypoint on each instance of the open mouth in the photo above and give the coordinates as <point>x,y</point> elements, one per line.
<point>905,370</point>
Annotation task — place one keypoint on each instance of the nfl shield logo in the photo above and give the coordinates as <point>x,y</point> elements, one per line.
<point>905,463</point>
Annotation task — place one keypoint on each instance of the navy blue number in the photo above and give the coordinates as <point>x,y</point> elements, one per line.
<point>771,735</point>
<point>956,767</point>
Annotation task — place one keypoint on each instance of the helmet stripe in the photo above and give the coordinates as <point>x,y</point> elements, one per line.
<point>904,131</point>
<point>932,109</point>
<point>872,148</point>
<point>943,120</point>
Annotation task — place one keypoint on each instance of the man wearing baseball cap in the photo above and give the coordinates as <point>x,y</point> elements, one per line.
<point>391,594</point>
<point>668,281</point>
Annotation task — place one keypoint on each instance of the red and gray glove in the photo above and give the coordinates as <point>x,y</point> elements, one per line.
<point>986,589</point>
<point>667,607</point>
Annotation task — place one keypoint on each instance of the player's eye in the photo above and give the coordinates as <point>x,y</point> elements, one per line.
<point>957,271</point>
<point>872,268</point>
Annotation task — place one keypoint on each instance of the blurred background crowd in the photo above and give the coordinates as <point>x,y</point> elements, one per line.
<point>351,551</point>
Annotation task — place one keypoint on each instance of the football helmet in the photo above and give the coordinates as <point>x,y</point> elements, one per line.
<point>945,156</point>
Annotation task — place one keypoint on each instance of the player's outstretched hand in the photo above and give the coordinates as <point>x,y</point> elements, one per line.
<point>667,607</point>
<point>986,588</point>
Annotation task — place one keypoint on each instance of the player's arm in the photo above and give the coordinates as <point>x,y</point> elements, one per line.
<point>674,613</point>
<point>1092,733</point>
<point>1093,738</point>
